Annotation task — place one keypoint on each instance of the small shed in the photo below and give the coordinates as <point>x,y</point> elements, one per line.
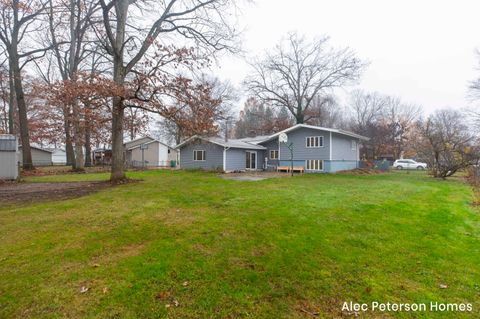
<point>8,157</point>
<point>59,156</point>
<point>40,156</point>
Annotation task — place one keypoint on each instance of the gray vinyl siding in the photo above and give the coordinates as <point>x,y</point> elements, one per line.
<point>271,145</point>
<point>341,165</point>
<point>261,154</point>
<point>8,165</point>
<point>39,157</point>
<point>342,148</point>
<point>300,150</point>
<point>213,155</point>
<point>343,157</point>
<point>236,160</point>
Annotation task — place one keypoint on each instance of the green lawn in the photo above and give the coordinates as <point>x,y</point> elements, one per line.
<point>278,248</point>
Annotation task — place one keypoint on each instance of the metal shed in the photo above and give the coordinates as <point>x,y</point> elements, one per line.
<point>8,157</point>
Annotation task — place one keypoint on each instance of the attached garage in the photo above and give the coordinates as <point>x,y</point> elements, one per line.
<point>8,157</point>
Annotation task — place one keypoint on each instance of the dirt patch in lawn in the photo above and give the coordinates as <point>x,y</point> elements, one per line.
<point>252,176</point>
<point>61,170</point>
<point>361,171</point>
<point>16,193</point>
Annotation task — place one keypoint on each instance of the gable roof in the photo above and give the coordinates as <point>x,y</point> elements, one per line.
<point>53,150</point>
<point>221,142</point>
<point>152,141</point>
<point>138,139</point>
<point>37,148</point>
<point>297,126</point>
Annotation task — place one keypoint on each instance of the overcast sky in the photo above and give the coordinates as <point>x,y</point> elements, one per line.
<point>419,50</point>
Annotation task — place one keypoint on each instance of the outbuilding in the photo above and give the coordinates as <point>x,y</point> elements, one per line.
<point>8,157</point>
<point>40,156</point>
<point>149,152</point>
<point>59,156</point>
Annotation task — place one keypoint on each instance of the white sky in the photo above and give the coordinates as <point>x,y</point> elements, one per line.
<point>419,50</point>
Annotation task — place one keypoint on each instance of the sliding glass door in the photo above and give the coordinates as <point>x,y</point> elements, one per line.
<point>251,160</point>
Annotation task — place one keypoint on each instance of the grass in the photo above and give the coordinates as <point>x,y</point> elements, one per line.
<point>278,248</point>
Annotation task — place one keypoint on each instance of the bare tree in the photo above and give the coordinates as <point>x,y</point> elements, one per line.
<point>5,125</point>
<point>258,118</point>
<point>399,119</point>
<point>367,110</point>
<point>326,112</point>
<point>200,116</point>
<point>18,20</point>
<point>386,120</point>
<point>447,143</point>
<point>296,72</point>
<point>69,28</point>
<point>127,42</point>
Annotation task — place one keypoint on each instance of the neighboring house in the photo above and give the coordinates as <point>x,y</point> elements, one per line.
<point>8,157</point>
<point>316,149</point>
<point>150,152</point>
<point>40,156</point>
<point>59,156</point>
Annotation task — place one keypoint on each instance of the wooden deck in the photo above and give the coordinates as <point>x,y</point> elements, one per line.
<point>288,169</point>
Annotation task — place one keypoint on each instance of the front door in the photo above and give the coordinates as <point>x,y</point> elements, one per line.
<point>251,160</point>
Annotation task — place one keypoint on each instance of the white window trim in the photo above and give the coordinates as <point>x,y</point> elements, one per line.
<point>195,160</point>
<point>270,154</point>
<point>354,145</point>
<point>320,138</point>
<point>315,170</point>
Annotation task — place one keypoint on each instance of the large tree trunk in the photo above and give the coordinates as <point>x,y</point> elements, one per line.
<point>88,147</point>
<point>118,170</point>
<point>68,144</point>
<point>77,139</point>
<point>118,111</point>
<point>22,111</point>
<point>299,114</point>
<point>299,118</point>
<point>11,103</point>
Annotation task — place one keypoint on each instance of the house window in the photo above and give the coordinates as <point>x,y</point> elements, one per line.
<point>314,165</point>
<point>314,141</point>
<point>273,154</point>
<point>199,155</point>
<point>354,145</point>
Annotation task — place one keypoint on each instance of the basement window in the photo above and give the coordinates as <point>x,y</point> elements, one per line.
<point>314,165</point>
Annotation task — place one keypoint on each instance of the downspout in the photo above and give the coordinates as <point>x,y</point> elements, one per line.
<point>225,149</point>
<point>358,153</point>
<point>330,147</point>
<point>278,159</point>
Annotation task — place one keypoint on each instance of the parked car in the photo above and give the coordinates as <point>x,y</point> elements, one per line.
<point>409,164</point>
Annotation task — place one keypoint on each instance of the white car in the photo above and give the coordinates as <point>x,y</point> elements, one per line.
<point>409,164</point>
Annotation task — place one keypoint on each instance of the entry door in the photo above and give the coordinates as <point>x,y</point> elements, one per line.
<point>251,160</point>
